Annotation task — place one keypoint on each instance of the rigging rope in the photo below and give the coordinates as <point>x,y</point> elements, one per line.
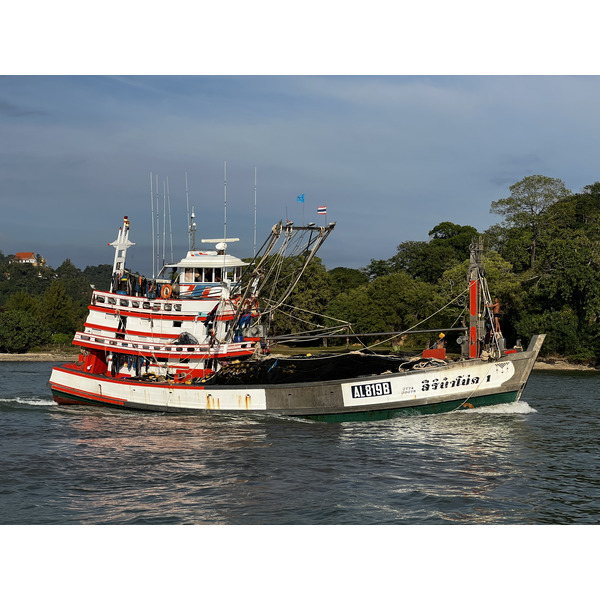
<point>420,322</point>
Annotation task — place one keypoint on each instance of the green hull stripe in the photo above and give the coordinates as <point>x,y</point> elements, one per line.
<point>427,409</point>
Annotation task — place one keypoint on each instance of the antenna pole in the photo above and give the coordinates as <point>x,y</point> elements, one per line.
<point>254,253</point>
<point>164,221</point>
<point>152,216</point>
<point>187,201</point>
<point>225,202</point>
<point>170,223</point>
<point>193,229</point>
<point>157,225</point>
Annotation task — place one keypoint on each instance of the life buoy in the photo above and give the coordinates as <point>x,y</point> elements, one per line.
<point>166,291</point>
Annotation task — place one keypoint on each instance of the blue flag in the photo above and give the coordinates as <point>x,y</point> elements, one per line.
<point>300,197</point>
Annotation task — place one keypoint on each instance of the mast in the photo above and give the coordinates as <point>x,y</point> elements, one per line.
<point>225,202</point>
<point>187,201</point>
<point>475,324</point>
<point>121,244</point>
<point>157,225</point>
<point>254,252</point>
<point>192,229</point>
<point>164,221</point>
<point>479,305</point>
<point>152,214</point>
<point>170,223</point>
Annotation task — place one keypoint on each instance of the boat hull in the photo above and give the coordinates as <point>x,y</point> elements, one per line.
<point>453,386</point>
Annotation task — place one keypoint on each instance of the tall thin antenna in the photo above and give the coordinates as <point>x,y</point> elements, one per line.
<point>187,201</point>
<point>157,224</point>
<point>170,224</point>
<point>152,214</point>
<point>193,229</point>
<point>164,221</point>
<point>225,201</point>
<point>254,252</point>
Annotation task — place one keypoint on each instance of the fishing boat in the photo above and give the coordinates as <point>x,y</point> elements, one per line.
<point>195,339</point>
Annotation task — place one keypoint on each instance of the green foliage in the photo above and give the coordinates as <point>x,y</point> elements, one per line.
<point>61,339</point>
<point>342,279</point>
<point>389,303</point>
<point>514,243</point>
<point>100,276</point>
<point>20,331</point>
<point>379,268</point>
<point>58,311</point>
<point>23,277</point>
<point>528,205</point>
<point>426,261</point>
<point>304,308</point>
<point>23,301</point>
<point>423,260</point>
<point>562,335</point>
<point>458,237</point>
<point>76,285</point>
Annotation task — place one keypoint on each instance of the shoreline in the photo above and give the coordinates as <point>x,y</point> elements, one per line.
<point>561,365</point>
<point>540,365</point>
<point>39,357</point>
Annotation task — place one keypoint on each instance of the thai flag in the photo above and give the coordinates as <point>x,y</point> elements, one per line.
<point>322,210</point>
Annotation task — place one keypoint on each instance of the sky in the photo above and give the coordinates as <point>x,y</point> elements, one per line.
<point>391,154</point>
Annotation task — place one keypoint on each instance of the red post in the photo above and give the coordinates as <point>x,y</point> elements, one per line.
<point>473,295</point>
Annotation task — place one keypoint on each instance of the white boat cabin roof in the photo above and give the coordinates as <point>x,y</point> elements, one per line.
<point>207,259</point>
<point>210,259</point>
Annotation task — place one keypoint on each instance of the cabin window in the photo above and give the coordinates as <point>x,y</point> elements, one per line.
<point>208,275</point>
<point>99,298</point>
<point>178,307</point>
<point>188,276</point>
<point>168,306</point>
<point>177,323</point>
<point>124,302</point>
<point>135,304</point>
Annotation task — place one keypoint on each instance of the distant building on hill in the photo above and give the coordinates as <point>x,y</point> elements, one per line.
<point>28,258</point>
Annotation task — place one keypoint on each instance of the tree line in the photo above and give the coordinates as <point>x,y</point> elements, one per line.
<point>41,306</point>
<point>542,261</point>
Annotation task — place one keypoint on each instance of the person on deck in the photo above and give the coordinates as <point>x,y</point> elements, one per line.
<point>440,343</point>
<point>496,308</point>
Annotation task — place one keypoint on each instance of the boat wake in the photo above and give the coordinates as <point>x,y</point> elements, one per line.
<point>28,401</point>
<point>513,408</point>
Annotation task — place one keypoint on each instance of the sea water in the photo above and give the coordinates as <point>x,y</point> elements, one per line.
<point>536,461</point>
